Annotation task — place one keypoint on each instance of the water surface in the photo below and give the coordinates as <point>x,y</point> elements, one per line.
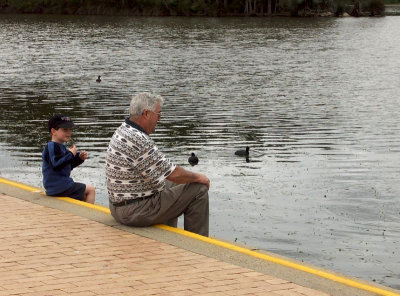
<point>315,99</point>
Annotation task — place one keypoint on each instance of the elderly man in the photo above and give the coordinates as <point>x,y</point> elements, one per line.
<point>145,187</point>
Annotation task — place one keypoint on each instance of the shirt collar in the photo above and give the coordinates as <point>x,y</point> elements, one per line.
<point>134,125</point>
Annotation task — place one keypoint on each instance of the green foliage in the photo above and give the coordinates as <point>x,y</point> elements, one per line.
<point>193,7</point>
<point>235,6</point>
<point>339,11</point>
<point>339,7</point>
<point>190,7</point>
<point>40,5</point>
<point>22,5</point>
<point>375,7</point>
<point>198,6</point>
<point>294,8</point>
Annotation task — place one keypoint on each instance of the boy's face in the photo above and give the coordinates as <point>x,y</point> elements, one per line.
<point>61,135</point>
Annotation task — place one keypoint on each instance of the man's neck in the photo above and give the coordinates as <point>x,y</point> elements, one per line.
<point>140,123</point>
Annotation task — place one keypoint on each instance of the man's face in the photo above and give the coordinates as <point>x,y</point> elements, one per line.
<point>154,117</point>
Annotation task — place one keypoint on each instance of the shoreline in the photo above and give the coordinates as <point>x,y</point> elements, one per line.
<point>278,15</point>
<point>165,11</point>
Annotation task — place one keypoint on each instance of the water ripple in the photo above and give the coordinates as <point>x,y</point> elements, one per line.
<point>315,99</point>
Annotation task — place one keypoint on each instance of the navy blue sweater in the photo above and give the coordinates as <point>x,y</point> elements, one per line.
<point>58,163</point>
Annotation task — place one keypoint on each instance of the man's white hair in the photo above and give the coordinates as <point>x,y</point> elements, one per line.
<point>144,101</point>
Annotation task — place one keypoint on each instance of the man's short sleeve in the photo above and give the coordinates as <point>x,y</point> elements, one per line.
<point>156,166</point>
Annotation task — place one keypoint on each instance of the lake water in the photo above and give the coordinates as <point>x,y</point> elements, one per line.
<point>317,101</point>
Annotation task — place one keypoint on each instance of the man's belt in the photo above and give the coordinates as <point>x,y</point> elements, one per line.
<point>129,201</point>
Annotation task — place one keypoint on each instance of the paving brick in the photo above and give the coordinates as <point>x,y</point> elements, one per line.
<point>46,293</point>
<point>185,292</point>
<point>288,293</point>
<point>309,292</point>
<point>286,286</point>
<point>45,251</point>
<point>87,293</point>
<point>182,287</point>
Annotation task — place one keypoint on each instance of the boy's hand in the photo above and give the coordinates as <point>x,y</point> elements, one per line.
<point>83,155</point>
<point>73,149</point>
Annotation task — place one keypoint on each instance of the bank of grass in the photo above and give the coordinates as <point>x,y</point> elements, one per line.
<point>392,7</point>
<point>195,7</point>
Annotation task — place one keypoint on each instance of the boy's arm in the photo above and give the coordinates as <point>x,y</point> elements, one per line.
<point>77,160</point>
<point>57,158</point>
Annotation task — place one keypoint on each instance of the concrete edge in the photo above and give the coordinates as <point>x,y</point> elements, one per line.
<point>261,261</point>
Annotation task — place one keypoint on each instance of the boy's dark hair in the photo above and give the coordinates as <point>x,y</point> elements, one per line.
<point>60,120</point>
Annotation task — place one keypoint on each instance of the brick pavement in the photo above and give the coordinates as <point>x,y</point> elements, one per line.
<point>44,251</point>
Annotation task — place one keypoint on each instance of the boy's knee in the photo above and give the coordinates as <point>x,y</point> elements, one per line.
<point>90,194</point>
<point>90,188</point>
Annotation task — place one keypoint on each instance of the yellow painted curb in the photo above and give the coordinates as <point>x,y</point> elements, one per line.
<point>283,262</point>
<point>20,185</point>
<point>225,245</point>
<point>85,204</point>
<point>68,199</point>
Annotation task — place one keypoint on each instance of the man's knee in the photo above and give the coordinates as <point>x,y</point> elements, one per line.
<point>199,188</point>
<point>203,189</point>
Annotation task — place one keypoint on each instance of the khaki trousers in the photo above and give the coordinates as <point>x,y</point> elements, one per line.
<point>191,200</point>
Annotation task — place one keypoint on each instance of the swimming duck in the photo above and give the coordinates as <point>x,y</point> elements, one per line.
<point>243,152</point>
<point>193,160</point>
<point>98,79</point>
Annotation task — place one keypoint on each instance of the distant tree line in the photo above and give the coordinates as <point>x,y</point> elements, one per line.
<point>199,7</point>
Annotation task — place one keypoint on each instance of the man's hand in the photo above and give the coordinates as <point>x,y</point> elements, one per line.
<point>83,155</point>
<point>203,179</point>
<point>73,149</point>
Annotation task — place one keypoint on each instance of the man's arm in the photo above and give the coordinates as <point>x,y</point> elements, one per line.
<point>182,176</point>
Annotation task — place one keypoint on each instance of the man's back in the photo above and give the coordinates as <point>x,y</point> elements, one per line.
<point>134,165</point>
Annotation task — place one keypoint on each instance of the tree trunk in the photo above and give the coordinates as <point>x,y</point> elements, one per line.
<point>356,10</point>
<point>248,9</point>
<point>166,5</point>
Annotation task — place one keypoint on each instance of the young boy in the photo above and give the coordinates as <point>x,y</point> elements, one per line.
<point>58,162</point>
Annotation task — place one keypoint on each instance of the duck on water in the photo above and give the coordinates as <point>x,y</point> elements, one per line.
<point>193,159</point>
<point>243,152</point>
